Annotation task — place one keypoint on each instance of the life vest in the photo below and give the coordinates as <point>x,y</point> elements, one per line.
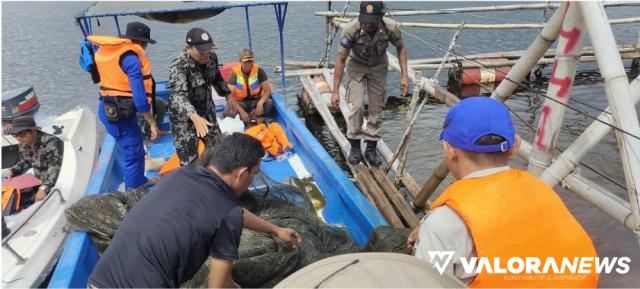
<point>514,214</point>
<point>114,81</point>
<point>253,82</point>
<point>273,138</point>
<point>174,162</point>
<point>10,200</point>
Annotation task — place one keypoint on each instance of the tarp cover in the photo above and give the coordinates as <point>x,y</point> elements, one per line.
<point>170,12</point>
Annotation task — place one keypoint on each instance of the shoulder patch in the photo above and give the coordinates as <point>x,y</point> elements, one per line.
<point>346,42</point>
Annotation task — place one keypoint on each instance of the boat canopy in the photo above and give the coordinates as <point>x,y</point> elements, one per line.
<point>180,12</point>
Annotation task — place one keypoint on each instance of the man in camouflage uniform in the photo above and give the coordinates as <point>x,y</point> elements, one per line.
<point>192,111</point>
<point>38,150</point>
<point>364,41</point>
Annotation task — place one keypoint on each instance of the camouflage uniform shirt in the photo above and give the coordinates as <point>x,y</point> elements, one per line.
<point>45,158</point>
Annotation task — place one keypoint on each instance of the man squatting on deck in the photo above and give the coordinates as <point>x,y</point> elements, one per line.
<point>494,211</point>
<point>38,150</point>
<point>125,83</point>
<point>192,111</point>
<point>364,41</point>
<point>172,231</point>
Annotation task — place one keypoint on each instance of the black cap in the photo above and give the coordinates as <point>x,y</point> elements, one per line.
<point>200,38</point>
<point>371,11</point>
<point>138,31</point>
<point>21,123</point>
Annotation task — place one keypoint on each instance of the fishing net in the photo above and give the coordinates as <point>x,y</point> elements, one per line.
<point>263,259</point>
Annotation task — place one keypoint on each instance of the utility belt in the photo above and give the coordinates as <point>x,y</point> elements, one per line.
<point>117,108</point>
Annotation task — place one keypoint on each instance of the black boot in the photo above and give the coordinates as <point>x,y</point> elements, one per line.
<point>355,155</point>
<point>371,153</point>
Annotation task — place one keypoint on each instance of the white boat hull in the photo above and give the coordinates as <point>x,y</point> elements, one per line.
<point>29,255</point>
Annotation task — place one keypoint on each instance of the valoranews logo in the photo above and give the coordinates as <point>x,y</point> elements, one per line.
<point>532,265</point>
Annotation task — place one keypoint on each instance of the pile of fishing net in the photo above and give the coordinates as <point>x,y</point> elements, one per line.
<point>263,259</point>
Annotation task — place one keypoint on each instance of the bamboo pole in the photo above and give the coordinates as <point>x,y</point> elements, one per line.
<point>536,50</point>
<point>494,63</point>
<point>324,112</point>
<point>567,161</point>
<point>338,21</point>
<point>617,91</point>
<point>558,91</point>
<point>514,55</point>
<point>402,207</point>
<point>327,38</point>
<point>449,49</point>
<point>475,9</point>
<point>303,72</point>
<point>378,196</point>
<point>407,119</point>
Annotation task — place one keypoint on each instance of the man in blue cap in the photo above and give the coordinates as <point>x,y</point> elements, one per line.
<point>494,211</point>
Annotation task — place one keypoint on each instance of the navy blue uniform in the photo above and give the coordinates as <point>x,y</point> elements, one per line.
<point>190,215</point>
<point>127,132</point>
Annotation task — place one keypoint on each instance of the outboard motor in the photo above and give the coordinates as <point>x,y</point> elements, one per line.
<point>16,102</point>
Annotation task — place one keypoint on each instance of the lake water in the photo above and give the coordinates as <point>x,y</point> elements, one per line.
<point>40,49</point>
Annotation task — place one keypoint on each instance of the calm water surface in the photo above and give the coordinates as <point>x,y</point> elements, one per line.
<point>40,49</point>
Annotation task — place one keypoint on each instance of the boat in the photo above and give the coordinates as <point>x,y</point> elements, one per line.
<point>345,205</point>
<point>16,102</point>
<point>38,232</point>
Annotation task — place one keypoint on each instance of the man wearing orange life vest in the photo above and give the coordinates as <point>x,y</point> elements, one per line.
<point>125,83</point>
<point>493,211</point>
<point>250,89</point>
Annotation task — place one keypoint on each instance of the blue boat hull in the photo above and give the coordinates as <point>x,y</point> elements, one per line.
<point>345,204</point>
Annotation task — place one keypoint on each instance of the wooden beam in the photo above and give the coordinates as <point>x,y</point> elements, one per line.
<point>378,196</point>
<point>402,207</point>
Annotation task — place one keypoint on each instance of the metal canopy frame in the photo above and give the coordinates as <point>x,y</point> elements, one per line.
<point>84,21</point>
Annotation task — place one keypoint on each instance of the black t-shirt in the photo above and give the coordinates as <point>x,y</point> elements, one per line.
<point>262,76</point>
<point>190,215</point>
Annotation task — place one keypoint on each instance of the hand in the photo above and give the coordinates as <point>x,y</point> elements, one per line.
<point>244,116</point>
<point>40,194</point>
<point>7,174</point>
<point>411,240</point>
<point>155,131</point>
<point>335,99</point>
<point>202,125</point>
<point>289,236</point>
<point>404,86</point>
<point>259,108</point>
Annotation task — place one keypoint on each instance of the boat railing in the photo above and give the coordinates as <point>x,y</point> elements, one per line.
<point>6,239</point>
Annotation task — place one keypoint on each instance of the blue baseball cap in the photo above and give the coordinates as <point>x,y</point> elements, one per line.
<point>475,117</point>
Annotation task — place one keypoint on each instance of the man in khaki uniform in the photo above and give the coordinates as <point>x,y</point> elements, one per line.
<point>365,41</point>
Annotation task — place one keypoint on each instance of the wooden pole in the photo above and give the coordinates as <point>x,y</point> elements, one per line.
<point>476,9</point>
<point>438,175</point>
<point>407,120</point>
<point>486,26</point>
<point>378,196</point>
<point>402,207</point>
<point>449,49</point>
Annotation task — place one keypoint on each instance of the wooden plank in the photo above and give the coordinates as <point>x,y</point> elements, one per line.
<point>402,207</point>
<point>380,199</point>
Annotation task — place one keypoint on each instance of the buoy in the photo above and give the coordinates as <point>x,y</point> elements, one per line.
<point>472,81</point>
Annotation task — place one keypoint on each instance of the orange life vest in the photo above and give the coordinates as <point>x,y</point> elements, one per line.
<point>252,82</point>
<point>174,162</point>
<point>272,138</point>
<point>114,81</point>
<point>514,214</point>
<point>10,200</point>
